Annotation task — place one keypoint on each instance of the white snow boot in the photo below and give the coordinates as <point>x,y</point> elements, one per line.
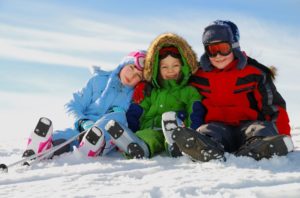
<point>169,123</point>
<point>92,143</point>
<point>127,141</point>
<point>40,139</point>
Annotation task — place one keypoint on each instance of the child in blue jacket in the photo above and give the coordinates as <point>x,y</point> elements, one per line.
<point>106,96</point>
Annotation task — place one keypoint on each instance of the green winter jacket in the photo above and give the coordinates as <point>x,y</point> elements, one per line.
<point>170,95</point>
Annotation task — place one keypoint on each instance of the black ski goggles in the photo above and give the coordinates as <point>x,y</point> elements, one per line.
<point>222,48</point>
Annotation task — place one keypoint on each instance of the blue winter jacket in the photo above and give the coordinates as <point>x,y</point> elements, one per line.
<point>102,92</point>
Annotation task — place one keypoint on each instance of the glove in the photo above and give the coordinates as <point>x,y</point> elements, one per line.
<point>181,116</point>
<point>85,124</point>
<point>141,90</point>
<point>117,109</point>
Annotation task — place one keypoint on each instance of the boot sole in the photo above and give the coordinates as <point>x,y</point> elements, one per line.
<point>196,145</point>
<point>92,143</point>
<point>41,130</point>
<point>94,135</point>
<point>279,145</point>
<point>135,151</point>
<point>126,141</point>
<point>42,127</point>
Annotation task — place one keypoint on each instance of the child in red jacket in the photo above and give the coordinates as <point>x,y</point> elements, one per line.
<point>245,113</point>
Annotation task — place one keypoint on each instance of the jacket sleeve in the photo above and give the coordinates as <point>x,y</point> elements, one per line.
<point>195,108</point>
<point>80,101</point>
<point>133,116</point>
<point>135,112</point>
<point>274,107</point>
<point>273,104</point>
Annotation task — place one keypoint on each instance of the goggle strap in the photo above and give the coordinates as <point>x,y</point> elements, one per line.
<point>235,45</point>
<point>139,62</point>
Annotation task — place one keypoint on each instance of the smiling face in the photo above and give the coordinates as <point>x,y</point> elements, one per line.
<point>221,61</point>
<point>130,75</point>
<point>219,54</point>
<point>170,68</point>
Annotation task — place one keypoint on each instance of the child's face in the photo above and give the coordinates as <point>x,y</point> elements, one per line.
<point>220,54</point>
<point>170,68</point>
<point>221,61</point>
<point>130,75</point>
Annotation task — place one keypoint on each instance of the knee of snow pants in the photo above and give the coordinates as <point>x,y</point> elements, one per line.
<point>220,133</point>
<point>258,128</point>
<point>120,117</point>
<point>155,140</point>
<point>61,136</point>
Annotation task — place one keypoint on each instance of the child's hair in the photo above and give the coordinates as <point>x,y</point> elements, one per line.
<point>170,50</point>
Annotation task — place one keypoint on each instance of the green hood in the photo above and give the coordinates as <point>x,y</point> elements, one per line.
<point>189,59</point>
<point>185,72</point>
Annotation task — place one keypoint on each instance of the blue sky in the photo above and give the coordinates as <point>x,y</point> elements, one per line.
<point>48,46</point>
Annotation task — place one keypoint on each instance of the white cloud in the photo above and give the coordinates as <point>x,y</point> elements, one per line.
<point>51,47</point>
<point>8,50</point>
<point>107,30</point>
<point>82,38</point>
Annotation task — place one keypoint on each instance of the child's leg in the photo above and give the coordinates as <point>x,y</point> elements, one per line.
<point>209,142</point>
<point>220,133</point>
<point>59,137</point>
<point>102,143</point>
<point>155,140</point>
<point>40,139</point>
<point>260,139</point>
<point>197,145</point>
<point>92,142</point>
<point>126,140</point>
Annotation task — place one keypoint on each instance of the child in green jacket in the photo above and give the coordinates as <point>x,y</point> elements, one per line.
<point>169,63</point>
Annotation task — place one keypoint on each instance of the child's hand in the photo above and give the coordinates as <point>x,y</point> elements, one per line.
<point>85,124</point>
<point>118,109</point>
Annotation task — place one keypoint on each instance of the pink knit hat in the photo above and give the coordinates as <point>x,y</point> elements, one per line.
<point>137,58</point>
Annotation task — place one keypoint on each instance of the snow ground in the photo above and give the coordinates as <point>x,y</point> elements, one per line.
<point>72,175</point>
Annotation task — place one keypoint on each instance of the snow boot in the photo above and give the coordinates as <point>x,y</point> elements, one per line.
<point>266,147</point>
<point>196,145</point>
<point>127,141</point>
<point>92,143</point>
<point>169,123</point>
<point>40,139</point>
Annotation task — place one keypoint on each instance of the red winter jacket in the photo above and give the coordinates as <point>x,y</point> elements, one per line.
<point>233,95</point>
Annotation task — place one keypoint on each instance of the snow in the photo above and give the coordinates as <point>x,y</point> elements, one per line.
<point>72,175</point>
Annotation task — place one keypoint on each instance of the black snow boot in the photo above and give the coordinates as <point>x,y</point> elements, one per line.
<point>266,147</point>
<point>196,145</point>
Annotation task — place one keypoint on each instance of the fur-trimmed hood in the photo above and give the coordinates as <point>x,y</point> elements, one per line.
<point>151,63</point>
